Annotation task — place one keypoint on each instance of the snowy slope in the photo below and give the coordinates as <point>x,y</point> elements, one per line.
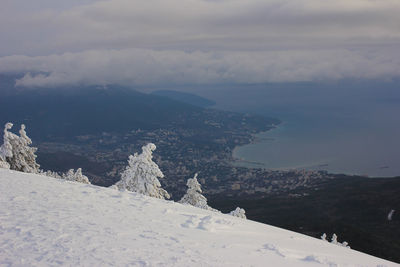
<point>45,221</point>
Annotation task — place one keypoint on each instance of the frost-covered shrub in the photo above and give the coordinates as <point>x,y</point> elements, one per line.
<point>334,240</point>
<point>193,195</point>
<point>142,173</point>
<point>70,175</point>
<point>344,244</point>
<point>323,237</point>
<point>238,212</point>
<point>50,174</point>
<point>75,176</point>
<point>16,151</point>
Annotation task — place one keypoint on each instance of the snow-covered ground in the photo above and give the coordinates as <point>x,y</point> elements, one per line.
<point>46,221</point>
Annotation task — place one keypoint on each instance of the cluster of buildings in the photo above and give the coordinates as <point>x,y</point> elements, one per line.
<point>181,153</point>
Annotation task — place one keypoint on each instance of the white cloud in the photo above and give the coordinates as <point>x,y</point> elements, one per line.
<point>150,67</point>
<point>197,41</point>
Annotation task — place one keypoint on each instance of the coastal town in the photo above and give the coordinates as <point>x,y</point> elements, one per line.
<point>181,153</point>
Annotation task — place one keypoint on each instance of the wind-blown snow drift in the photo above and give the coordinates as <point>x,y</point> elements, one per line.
<point>46,221</point>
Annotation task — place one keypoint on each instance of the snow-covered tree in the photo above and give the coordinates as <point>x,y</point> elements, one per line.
<point>193,195</point>
<point>29,157</point>
<point>238,212</point>
<point>334,239</point>
<point>22,156</point>
<point>3,162</point>
<point>6,148</point>
<point>142,173</point>
<point>75,176</point>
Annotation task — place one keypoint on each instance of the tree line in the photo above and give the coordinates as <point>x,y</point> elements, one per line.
<point>140,175</point>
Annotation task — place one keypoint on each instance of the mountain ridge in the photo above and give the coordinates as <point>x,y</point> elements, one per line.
<point>185,97</point>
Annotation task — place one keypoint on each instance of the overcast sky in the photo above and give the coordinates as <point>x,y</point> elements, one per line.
<point>167,42</point>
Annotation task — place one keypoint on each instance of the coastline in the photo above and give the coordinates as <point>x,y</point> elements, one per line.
<point>331,164</point>
<point>255,139</point>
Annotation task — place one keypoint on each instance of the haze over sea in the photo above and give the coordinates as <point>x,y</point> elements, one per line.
<point>343,127</point>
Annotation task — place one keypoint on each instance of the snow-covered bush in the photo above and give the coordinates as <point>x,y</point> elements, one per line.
<point>323,237</point>
<point>75,176</point>
<point>70,175</point>
<point>16,151</point>
<point>335,241</point>
<point>142,173</point>
<point>238,212</point>
<point>344,244</point>
<point>50,174</point>
<point>193,195</point>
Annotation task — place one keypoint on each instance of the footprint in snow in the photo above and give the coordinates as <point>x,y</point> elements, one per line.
<point>191,222</point>
<point>167,211</point>
<point>316,259</point>
<point>206,223</point>
<point>272,248</point>
<point>176,240</point>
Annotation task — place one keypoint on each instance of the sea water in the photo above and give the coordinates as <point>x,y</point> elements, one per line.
<point>351,128</point>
